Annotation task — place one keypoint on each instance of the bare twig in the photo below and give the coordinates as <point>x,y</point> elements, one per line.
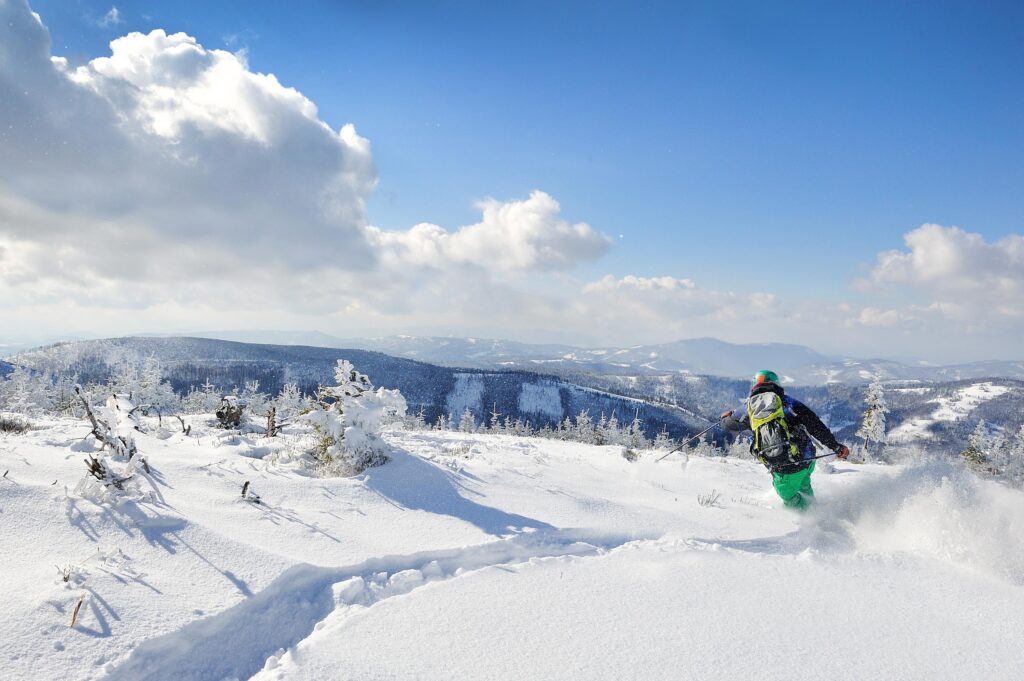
<point>88,412</point>
<point>709,499</point>
<point>248,495</point>
<point>272,422</point>
<point>78,606</point>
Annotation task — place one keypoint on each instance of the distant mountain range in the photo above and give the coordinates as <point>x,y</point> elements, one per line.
<point>940,413</point>
<point>797,364</point>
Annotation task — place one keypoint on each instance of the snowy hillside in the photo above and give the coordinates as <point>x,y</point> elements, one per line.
<point>480,556</point>
<point>439,391</point>
<point>682,403</point>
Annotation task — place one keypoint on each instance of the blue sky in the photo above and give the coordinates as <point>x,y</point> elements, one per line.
<point>823,131</point>
<point>774,147</point>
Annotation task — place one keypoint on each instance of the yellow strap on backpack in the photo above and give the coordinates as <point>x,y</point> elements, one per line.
<point>766,413</point>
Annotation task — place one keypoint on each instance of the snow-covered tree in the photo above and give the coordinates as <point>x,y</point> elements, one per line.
<point>467,422</point>
<point>348,418</point>
<point>662,441</point>
<point>258,402</point>
<point>25,392</point>
<point>976,455</point>
<point>152,390</point>
<point>203,399</point>
<point>417,421</point>
<point>289,402</point>
<point>1014,466</point>
<point>637,439</point>
<point>583,429</point>
<point>872,428</point>
<point>494,426</point>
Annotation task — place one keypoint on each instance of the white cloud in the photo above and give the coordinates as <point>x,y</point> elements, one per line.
<point>167,173</point>
<point>958,272</point>
<point>111,18</point>
<point>168,186</point>
<point>513,235</point>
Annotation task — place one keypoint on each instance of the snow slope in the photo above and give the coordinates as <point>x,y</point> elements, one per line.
<point>948,409</point>
<point>474,556</point>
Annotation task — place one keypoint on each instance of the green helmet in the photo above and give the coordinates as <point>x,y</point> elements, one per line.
<point>764,376</point>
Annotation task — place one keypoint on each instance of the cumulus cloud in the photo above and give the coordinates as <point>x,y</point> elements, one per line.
<point>164,141</point>
<point>514,235</point>
<point>168,186</point>
<point>170,174</point>
<point>959,272</point>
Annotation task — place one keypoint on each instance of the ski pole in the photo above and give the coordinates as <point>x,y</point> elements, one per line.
<point>689,440</point>
<point>821,456</point>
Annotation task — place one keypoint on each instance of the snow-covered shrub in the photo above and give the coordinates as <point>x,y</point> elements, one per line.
<point>229,413</point>
<point>348,418</point>
<point>110,470</point>
<point>10,424</point>
<point>258,402</point>
<point>202,400</point>
<point>289,403</point>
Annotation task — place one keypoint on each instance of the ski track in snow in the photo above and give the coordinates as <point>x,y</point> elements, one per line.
<point>258,630</point>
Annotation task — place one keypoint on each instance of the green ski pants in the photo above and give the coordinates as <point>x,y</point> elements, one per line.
<point>794,488</point>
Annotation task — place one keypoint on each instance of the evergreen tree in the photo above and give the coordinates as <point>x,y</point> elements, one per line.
<point>583,430</point>
<point>467,422</point>
<point>662,441</point>
<point>419,420</point>
<point>976,456</point>
<point>495,423</point>
<point>637,439</point>
<point>289,402</point>
<point>872,427</point>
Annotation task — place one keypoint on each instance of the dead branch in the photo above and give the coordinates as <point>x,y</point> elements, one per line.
<point>272,422</point>
<point>185,430</point>
<point>88,412</point>
<point>78,606</point>
<point>99,471</point>
<point>251,497</point>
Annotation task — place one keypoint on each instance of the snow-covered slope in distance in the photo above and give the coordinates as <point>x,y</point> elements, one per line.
<point>438,390</point>
<point>681,402</point>
<point>471,556</point>
<point>799,364</point>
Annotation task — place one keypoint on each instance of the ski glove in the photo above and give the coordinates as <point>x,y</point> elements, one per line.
<point>725,415</point>
<point>842,452</point>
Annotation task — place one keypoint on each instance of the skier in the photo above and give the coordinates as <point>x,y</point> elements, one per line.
<point>783,428</point>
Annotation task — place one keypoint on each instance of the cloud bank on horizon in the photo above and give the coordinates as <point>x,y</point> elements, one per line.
<point>168,186</point>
